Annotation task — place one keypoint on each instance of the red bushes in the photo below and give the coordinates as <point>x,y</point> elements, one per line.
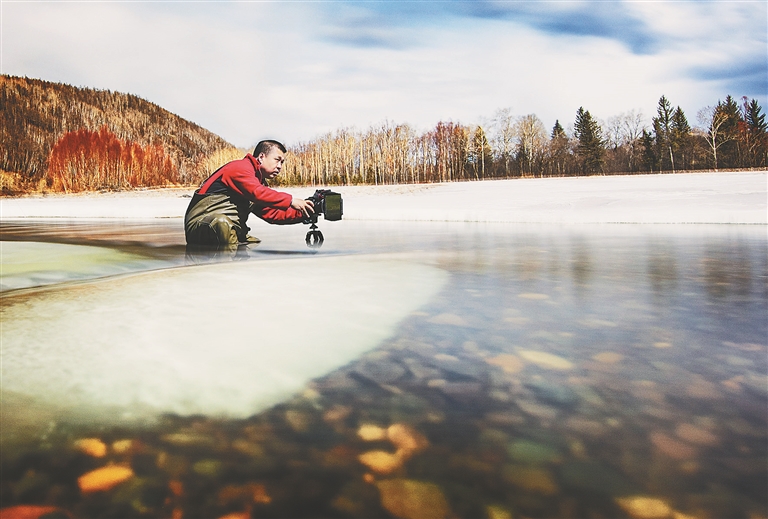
<point>84,160</point>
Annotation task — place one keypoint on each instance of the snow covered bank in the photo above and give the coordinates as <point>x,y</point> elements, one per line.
<point>733,197</point>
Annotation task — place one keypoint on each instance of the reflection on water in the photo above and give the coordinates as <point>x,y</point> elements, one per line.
<point>594,371</point>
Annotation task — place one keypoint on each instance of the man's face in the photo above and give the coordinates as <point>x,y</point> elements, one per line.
<point>272,163</point>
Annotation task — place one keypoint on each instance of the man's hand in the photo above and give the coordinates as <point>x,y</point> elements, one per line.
<point>305,206</point>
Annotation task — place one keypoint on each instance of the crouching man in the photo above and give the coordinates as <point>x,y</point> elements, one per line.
<point>218,212</point>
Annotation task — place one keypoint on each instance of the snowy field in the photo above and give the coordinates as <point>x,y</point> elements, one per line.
<point>733,197</point>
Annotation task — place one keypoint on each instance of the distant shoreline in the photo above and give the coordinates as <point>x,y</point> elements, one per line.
<point>739,197</point>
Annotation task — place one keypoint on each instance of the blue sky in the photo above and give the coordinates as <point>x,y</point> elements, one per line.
<point>293,70</point>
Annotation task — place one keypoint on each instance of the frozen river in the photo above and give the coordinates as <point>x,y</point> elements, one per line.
<point>403,370</point>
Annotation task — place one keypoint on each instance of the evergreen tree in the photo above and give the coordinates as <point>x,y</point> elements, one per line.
<point>662,129</point>
<point>680,138</point>
<point>558,152</point>
<point>729,153</point>
<point>650,159</point>
<point>591,146</point>
<point>557,131</point>
<point>755,134</point>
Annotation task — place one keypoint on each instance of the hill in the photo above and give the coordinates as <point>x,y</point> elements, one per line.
<point>64,138</point>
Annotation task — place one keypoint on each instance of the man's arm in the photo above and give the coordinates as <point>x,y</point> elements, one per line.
<point>241,179</point>
<point>299,210</point>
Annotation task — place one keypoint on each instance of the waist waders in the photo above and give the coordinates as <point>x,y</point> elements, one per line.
<point>214,220</point>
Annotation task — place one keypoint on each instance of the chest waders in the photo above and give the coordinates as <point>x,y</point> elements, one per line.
<point>216,220</point>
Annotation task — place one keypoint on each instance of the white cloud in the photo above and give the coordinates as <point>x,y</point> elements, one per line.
<point>294,70</point>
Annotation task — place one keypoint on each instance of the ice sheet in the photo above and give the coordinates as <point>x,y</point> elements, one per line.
<point>27,264</point>
<point>226,339</point>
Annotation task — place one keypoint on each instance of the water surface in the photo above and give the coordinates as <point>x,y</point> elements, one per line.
<point>585,371</point>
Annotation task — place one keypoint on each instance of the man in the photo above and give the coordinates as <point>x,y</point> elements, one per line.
<point>217,214</point>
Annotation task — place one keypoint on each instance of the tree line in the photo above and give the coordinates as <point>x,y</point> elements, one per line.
<point>729,135</point>
<point>58,137</point>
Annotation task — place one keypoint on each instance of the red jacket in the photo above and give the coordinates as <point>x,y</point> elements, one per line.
<point>243,179</point>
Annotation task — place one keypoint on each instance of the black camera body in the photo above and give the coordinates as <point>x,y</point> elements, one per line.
<point>327,203</point>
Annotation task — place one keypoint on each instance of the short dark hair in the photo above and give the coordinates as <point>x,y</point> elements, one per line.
<point>266,146</point>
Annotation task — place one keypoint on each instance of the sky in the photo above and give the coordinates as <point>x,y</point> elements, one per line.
<point>295,70</point>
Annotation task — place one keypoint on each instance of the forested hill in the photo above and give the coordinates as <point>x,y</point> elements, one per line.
<point>64,138</point>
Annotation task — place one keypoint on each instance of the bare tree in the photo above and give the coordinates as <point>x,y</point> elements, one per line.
<point>531,140</point>
<point>503,136</point>
<point>713,120</point>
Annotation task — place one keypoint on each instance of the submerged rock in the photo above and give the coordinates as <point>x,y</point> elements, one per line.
<point>104,478</point>
<point>33,512</point>
<point>673,448</point>
<point>370,432</point>
<point>550,393</point>
<point>509,363</point>
<point>208,467</point>
<point>608,357</point>
<point>122,446</point>
<point>92,447</point>
<point>497,512</point>
<point>526,451</point>
<point>546,360</point>
<point>381,462</point>
<point>380,371</point>
<point>696,435</point>
<point>446,318</point>
<point>594,477</point>
<point>644,507</point>
<point>532,479</point>
<point>406,439</point>
<point>411,499</point>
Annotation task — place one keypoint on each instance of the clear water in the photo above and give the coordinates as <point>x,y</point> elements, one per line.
<point>539,371</point>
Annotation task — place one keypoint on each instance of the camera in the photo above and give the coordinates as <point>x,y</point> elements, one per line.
<point>330,205</point>
<point>327,203</point>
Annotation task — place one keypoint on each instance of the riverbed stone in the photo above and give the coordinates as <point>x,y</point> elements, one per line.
<point>380,371</point>
<point>123,446</point>
<point>208,467</point>
<point>552,393</point>
<point>595,477</point>
<point>532,479</point>
<point>526,451</point>
<point>32,512</point>
<point>546,360</point>
<point>188,438</point>
<point>645,507</point>
<point>672,447</point>
<point>299,421</point>
<point>92,447</point>
<point>498,512</point>
<point>104,478</point>
<point>381,462</point>
<point>697,435</point>
<point>543,412</point>
<point>406,439</point>
<point>586,426</point>
<point>412,499</point>
<point>533,296</point>
<point>608,357</point>
<point>370,432</point>
<point>508,362</point>
<point>449,319</point>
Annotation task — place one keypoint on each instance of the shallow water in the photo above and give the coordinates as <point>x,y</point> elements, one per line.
<point>530,371</point>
